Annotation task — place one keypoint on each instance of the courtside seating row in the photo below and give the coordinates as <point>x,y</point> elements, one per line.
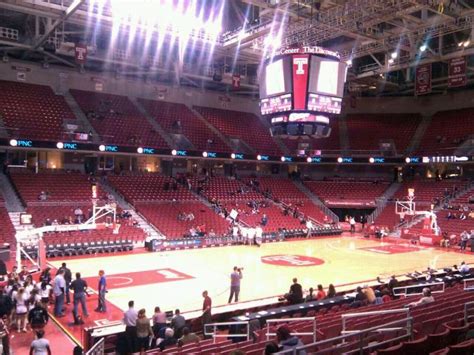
<point>90,241</point>
<point>437,325</point>
<point>33,111</point>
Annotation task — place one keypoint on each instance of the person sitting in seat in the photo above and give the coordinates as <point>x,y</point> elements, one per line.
<point>425,299</point>
<point>445,241</point>
<point>43,196</point>
<point>295,295</point>
<point>188,337</point>
<point>287,341</point>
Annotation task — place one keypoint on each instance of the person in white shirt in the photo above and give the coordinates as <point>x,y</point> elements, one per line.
<point>40,346</point>
<point>250,235</point>
<point>352,223</point>
<point>21,309</point>
<point>309,227</point>
<point>425,299</point>
<point>464,268</point>
<point>44,290</point>
<point>258,235</point>
<point>59,290</point>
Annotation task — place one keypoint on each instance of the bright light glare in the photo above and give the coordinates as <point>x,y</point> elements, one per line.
<point>423,48</point>
<point>394,55</point>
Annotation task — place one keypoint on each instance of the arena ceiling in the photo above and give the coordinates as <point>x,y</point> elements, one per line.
<point>201,43</point>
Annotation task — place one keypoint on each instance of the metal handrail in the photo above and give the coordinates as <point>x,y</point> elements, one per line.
<point>215,325</point>
<point>467,307</point>
<point>345,317</point>
<point>288,320</point>
<point>98,348</point>
<point>342,339</point>
<point>468,288</point>
<point>429,285</point>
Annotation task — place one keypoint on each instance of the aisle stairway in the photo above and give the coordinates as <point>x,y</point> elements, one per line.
<point>148,228</point>
<point>316,201</point>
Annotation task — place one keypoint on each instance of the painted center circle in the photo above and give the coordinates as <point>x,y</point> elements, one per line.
<point>291,260</point>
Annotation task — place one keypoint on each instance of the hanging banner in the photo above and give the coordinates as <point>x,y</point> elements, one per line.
<point>457,72</point>
<point>236,81</point>
<point>300,80</point>
<point>423,79</point>
<point>80,53</point>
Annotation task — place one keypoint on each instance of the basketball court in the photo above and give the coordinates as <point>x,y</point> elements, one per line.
<point>175,279</point>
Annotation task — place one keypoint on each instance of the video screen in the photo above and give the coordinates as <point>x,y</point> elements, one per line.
<point>275,78</point>
<point>328,77</point>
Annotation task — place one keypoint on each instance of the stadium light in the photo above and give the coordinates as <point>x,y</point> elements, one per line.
<point>349,62</point>
<point>232,155</point>
<point>102,148</point>
<point>394,55</point>
<point>371,160</point>
<point>140,150</point>
<point>204,154</point>
<point>283,159</point>
<point>423,48</point>
<point>407,160</point>
<point>309,159</point>
<point>340,160</point>
<point>259,157</point>
<point>391,61</point>
<point>13,142</point>
<point>174,152</point>
<point>60,145</point>
<point>466,43</point>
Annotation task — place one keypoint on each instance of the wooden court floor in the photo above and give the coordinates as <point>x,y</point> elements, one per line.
<point>175,279</point>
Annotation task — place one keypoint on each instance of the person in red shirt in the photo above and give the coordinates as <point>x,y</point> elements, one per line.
<point>206,310</point>
<point>320,295</point>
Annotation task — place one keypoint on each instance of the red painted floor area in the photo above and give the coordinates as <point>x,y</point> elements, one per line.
<point>60,343</point>
<point>140,278</point>
<point>76,331</point>
<point>392,249</point>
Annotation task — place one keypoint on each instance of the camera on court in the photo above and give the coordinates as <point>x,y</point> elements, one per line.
<point>240,269</point>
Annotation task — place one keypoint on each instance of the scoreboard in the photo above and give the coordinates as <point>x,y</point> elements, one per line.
<point>307,80</point>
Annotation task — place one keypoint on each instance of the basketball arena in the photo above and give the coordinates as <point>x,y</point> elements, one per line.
<point>236,177</point>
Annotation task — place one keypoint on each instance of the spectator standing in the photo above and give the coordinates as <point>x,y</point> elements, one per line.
<point>235,278</point>
<point>178,323</point>
<point>144,331</point>
<point>102,305</point>
<point>130,320</point>
<point>206,310</point>
<point>59,289</point>
<point>44,290</point>
<point>159,321</point>
<point>352,223</point>
<point>21,309</point>
<point>5,335</point>
<point>68,279</point>
<point>38,317</point>
<point>79,286</point>
<point>40,346</point>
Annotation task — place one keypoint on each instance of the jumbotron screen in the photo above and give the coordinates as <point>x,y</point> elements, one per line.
<point>307,79</point>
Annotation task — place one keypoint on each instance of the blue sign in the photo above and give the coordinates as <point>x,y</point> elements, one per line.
<point>379,160</point>
<point>238,156</point>
<point>182,153</point>
<point>211,155</point>
<point>413,160</point>
<point>288,159</point>
<point>24,143</point>
<point>347,160</point>
<point>148,151</point>
<point>316,159</point>
<point>111,148</point>
<point>70,146</point>
<point>264,157</point>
